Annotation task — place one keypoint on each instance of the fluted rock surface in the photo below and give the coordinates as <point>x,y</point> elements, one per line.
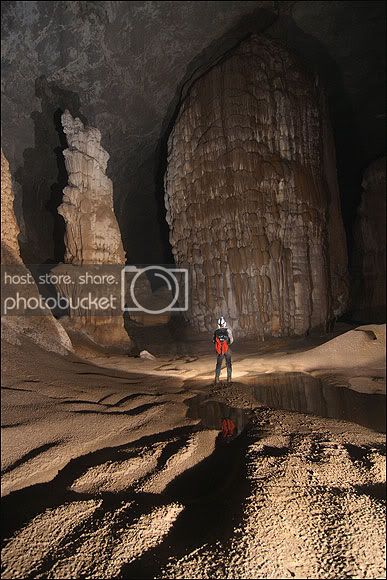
<point>92,234</point>
<point>42,329</point>
<point>252,198</point>
<point>9,226</point>
<point>369,255</point>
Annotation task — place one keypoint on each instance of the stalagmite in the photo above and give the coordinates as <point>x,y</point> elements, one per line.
<point>92,238</point>
<point>369,254</point>
<point>92,232</point>
<point>252,198</point>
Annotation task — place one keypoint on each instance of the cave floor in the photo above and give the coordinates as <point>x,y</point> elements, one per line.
<point>115,466</point>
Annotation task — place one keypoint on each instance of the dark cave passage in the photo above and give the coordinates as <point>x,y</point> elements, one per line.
<point>43,177</point>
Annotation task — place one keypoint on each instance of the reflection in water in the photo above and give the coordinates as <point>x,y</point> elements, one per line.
<point>297,392</point>
<point>228,428</point>
<point>214,413</point>
<point>304,393</point>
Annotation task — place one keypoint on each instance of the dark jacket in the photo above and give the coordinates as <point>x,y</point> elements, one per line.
<point>223,334</point>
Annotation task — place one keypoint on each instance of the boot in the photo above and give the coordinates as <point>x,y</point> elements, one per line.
<point>228,378</point>
<point>216,382</point>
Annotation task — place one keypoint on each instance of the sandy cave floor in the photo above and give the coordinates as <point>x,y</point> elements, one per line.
<point>114,466</point>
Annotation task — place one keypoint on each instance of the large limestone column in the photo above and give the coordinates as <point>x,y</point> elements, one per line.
<point>369,254</point>
<point>92,235</point>
<point>42,329</point>
<point>92,232</point>
<point>252,198</point>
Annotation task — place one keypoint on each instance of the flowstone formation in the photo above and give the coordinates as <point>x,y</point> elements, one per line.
<point>41,328</point>
<point>369,256</point>
<point>9,227</point>
<point>92,237</point>
<point>252,197</point>
<point>92,233</point>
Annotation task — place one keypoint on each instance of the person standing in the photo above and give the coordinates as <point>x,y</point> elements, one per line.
<point>222,339</point>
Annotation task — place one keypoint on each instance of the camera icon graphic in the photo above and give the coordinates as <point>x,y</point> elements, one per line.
<point>173,280</point>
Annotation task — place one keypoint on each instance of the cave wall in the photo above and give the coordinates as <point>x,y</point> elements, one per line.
<point>252,197</point>
<point>42,329</point>
<point>369,253</point>
<point>9,227</point>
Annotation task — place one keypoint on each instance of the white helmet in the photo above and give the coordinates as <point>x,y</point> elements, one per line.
<point>221,322</point>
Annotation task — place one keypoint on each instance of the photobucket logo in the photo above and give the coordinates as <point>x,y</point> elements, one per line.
<point>89,303</point>
<point>93,289</point>
<point>172,279</point>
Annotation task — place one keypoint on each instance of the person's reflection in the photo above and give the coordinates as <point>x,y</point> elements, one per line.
<point>229,429</point>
